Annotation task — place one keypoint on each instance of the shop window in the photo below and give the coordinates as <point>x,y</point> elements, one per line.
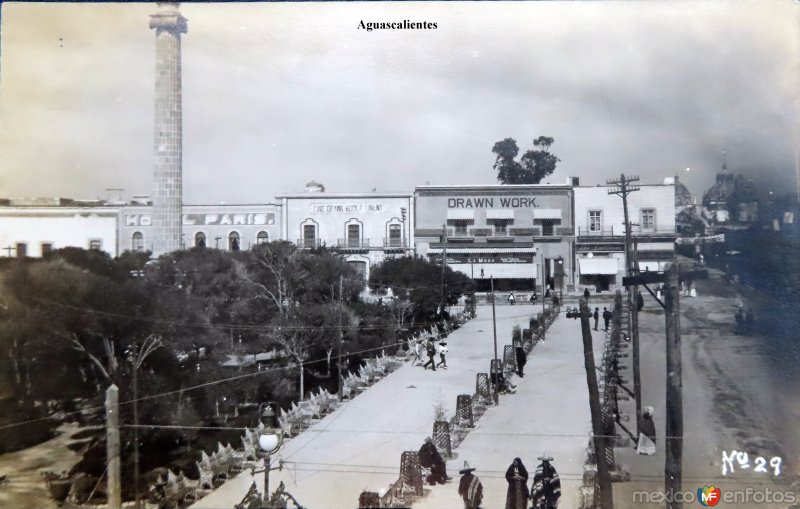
<point>648,220</point>
<point>137,241</point>
<point>199,239</point>
<point>353,235</point>
<point>96,244</point>
<point>47,248</point>
<point>309,235</point>
<point>233,241</point>
<point>395,235</point>
<point>262,237</point>
<point>22,250</point>
<point>595,220</point>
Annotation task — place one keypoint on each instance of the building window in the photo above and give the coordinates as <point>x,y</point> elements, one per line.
<point>262,237</point>
<point>501,226</point>
<point>395,235</point>
<point>22,250</point>
<point>233,241</point>
<point>137,241</point>
<point>460,228</point>
<point>47,248</point>
<point>648,219</point>
<point>595,220</point>
<point>353,235</point>
<point>96,244</point>
<point>548,228</point>
<point>199,239</point>
<point>309,235</point>
<point>360,268</point>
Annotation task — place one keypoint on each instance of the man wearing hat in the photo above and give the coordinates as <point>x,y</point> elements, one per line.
<point>470,488</point>
<point>430,349</point>
<point>429,457</point>
<point>546,485</point>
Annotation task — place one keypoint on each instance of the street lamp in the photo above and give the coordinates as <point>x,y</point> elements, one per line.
<point>269,442</point>
<point>560,276</point>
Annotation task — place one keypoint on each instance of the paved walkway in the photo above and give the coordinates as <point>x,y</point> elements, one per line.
<point>549,412</point>
<point>358,447</point>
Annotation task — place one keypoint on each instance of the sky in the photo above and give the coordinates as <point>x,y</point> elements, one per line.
<point>278,94</point>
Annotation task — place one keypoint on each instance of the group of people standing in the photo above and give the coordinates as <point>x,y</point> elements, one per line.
<point>545,491</point>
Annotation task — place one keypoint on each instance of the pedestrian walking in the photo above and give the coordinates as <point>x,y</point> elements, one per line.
<point>517,494</point>
<point>470,488</point>
<point>430,458</point>
<point>739,316</point>
<point>442,348</point>
<point>596,317</point>
<point>522,358</point>
<point>647,433</point>
<point>586,294</point>
<point>546,485</point>
<point>606,317</point>
<point>511,298</point>
<point>534,297</point>
<point>431,351</point>
<point>417,351</point>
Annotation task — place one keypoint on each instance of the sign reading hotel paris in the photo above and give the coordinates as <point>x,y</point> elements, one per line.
<point>207,219</point>
<point>506,202</point>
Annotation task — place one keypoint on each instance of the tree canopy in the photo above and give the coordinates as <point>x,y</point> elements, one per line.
<point>533,166</point>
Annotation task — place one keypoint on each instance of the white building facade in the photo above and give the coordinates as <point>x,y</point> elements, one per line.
<point>365,228</point>
<point>600,232</point>
<point>33,231</point>
<point>226,226</point>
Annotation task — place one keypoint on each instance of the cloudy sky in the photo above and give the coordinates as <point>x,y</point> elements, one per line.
<point>278,94</point>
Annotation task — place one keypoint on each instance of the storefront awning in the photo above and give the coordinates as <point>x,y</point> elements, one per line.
<point>547,213</point>
<point>500,214</point>
<point>461,214</point>
<point>453,249</point>
<point>597,265</point>
<point>497,270</point>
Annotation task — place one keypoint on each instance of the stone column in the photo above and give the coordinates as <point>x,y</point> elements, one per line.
<point>168,136</point>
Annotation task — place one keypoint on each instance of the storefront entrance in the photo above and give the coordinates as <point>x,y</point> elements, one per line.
<point>505,285</point>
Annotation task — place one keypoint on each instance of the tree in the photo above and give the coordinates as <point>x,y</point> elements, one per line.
<point>410,279</point>
<point>533,166</point>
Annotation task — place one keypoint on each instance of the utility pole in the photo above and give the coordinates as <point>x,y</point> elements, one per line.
<point>544,300</point>
<point>444,262</point>
<point>603,475</point>
<point>494,317</point>
<point>674,429</point>
<point>631,266</point>
<point>341,337</point>
<point>112,447</point>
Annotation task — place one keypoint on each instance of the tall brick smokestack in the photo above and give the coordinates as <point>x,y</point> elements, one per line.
<point>168,136</point>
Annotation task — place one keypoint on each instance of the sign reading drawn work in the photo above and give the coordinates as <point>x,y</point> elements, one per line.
<point>514,202</point>
<point>346,208</point>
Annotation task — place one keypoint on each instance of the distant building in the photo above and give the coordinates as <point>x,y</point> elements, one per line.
<point>600,232</point>
<point>34,227</point>
<point>519,235</point>
<point>365,228</point>
<point>225,226</point>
